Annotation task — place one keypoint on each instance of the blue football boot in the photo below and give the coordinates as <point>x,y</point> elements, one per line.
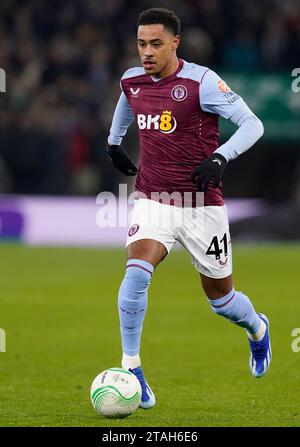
<point>260,352</point>
<point>148,398</point>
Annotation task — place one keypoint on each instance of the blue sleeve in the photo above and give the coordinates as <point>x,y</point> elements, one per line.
<point>249,131</point>
<point>216,97</point>
<point>123,117</point>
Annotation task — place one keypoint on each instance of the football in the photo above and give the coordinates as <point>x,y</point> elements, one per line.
<point>116,393</point>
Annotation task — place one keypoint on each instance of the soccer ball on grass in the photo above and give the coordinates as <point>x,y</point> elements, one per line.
<point>116,393</point>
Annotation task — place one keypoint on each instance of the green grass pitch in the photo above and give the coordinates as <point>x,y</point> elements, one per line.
<point>59,311</point>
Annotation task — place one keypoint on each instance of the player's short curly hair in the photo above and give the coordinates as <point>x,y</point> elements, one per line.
<point>163,16</point>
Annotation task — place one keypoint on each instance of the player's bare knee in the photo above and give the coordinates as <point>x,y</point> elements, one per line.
<point>216,288</point>
<point>218,292</point>
<point>147,250</point>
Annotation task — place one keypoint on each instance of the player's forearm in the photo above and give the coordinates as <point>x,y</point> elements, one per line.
<point>123,117</point>
<point>249,131</point>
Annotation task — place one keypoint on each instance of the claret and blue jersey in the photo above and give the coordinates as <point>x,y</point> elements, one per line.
<point>178,121</point>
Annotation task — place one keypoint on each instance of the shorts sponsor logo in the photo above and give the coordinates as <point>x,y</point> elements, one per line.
<point>165,123</point>
<point>133,229</point>
<point>223,87</point>
<point>223,262</point>
<point>179,92</point>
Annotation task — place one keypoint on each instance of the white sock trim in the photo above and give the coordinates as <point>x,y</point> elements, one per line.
<point>259,335</point>
<point>130,361</point>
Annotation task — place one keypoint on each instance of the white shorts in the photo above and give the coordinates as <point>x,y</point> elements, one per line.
<point>203,231</point>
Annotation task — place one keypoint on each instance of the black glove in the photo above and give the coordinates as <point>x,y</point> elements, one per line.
<point>120,159</point>
<point>210,168</point>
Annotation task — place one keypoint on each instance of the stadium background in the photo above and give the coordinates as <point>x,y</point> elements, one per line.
<point>63,61</point>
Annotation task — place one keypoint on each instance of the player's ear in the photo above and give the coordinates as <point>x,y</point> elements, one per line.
<point>175,42</point>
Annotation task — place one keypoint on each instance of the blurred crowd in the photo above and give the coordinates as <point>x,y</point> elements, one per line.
<point>63,60</point>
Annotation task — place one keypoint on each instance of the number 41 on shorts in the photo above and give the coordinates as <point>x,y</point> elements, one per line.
<point>215,247</point>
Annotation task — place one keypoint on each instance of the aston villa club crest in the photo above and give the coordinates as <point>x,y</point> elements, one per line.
<point>179,92</point>
<point>133,229</point>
